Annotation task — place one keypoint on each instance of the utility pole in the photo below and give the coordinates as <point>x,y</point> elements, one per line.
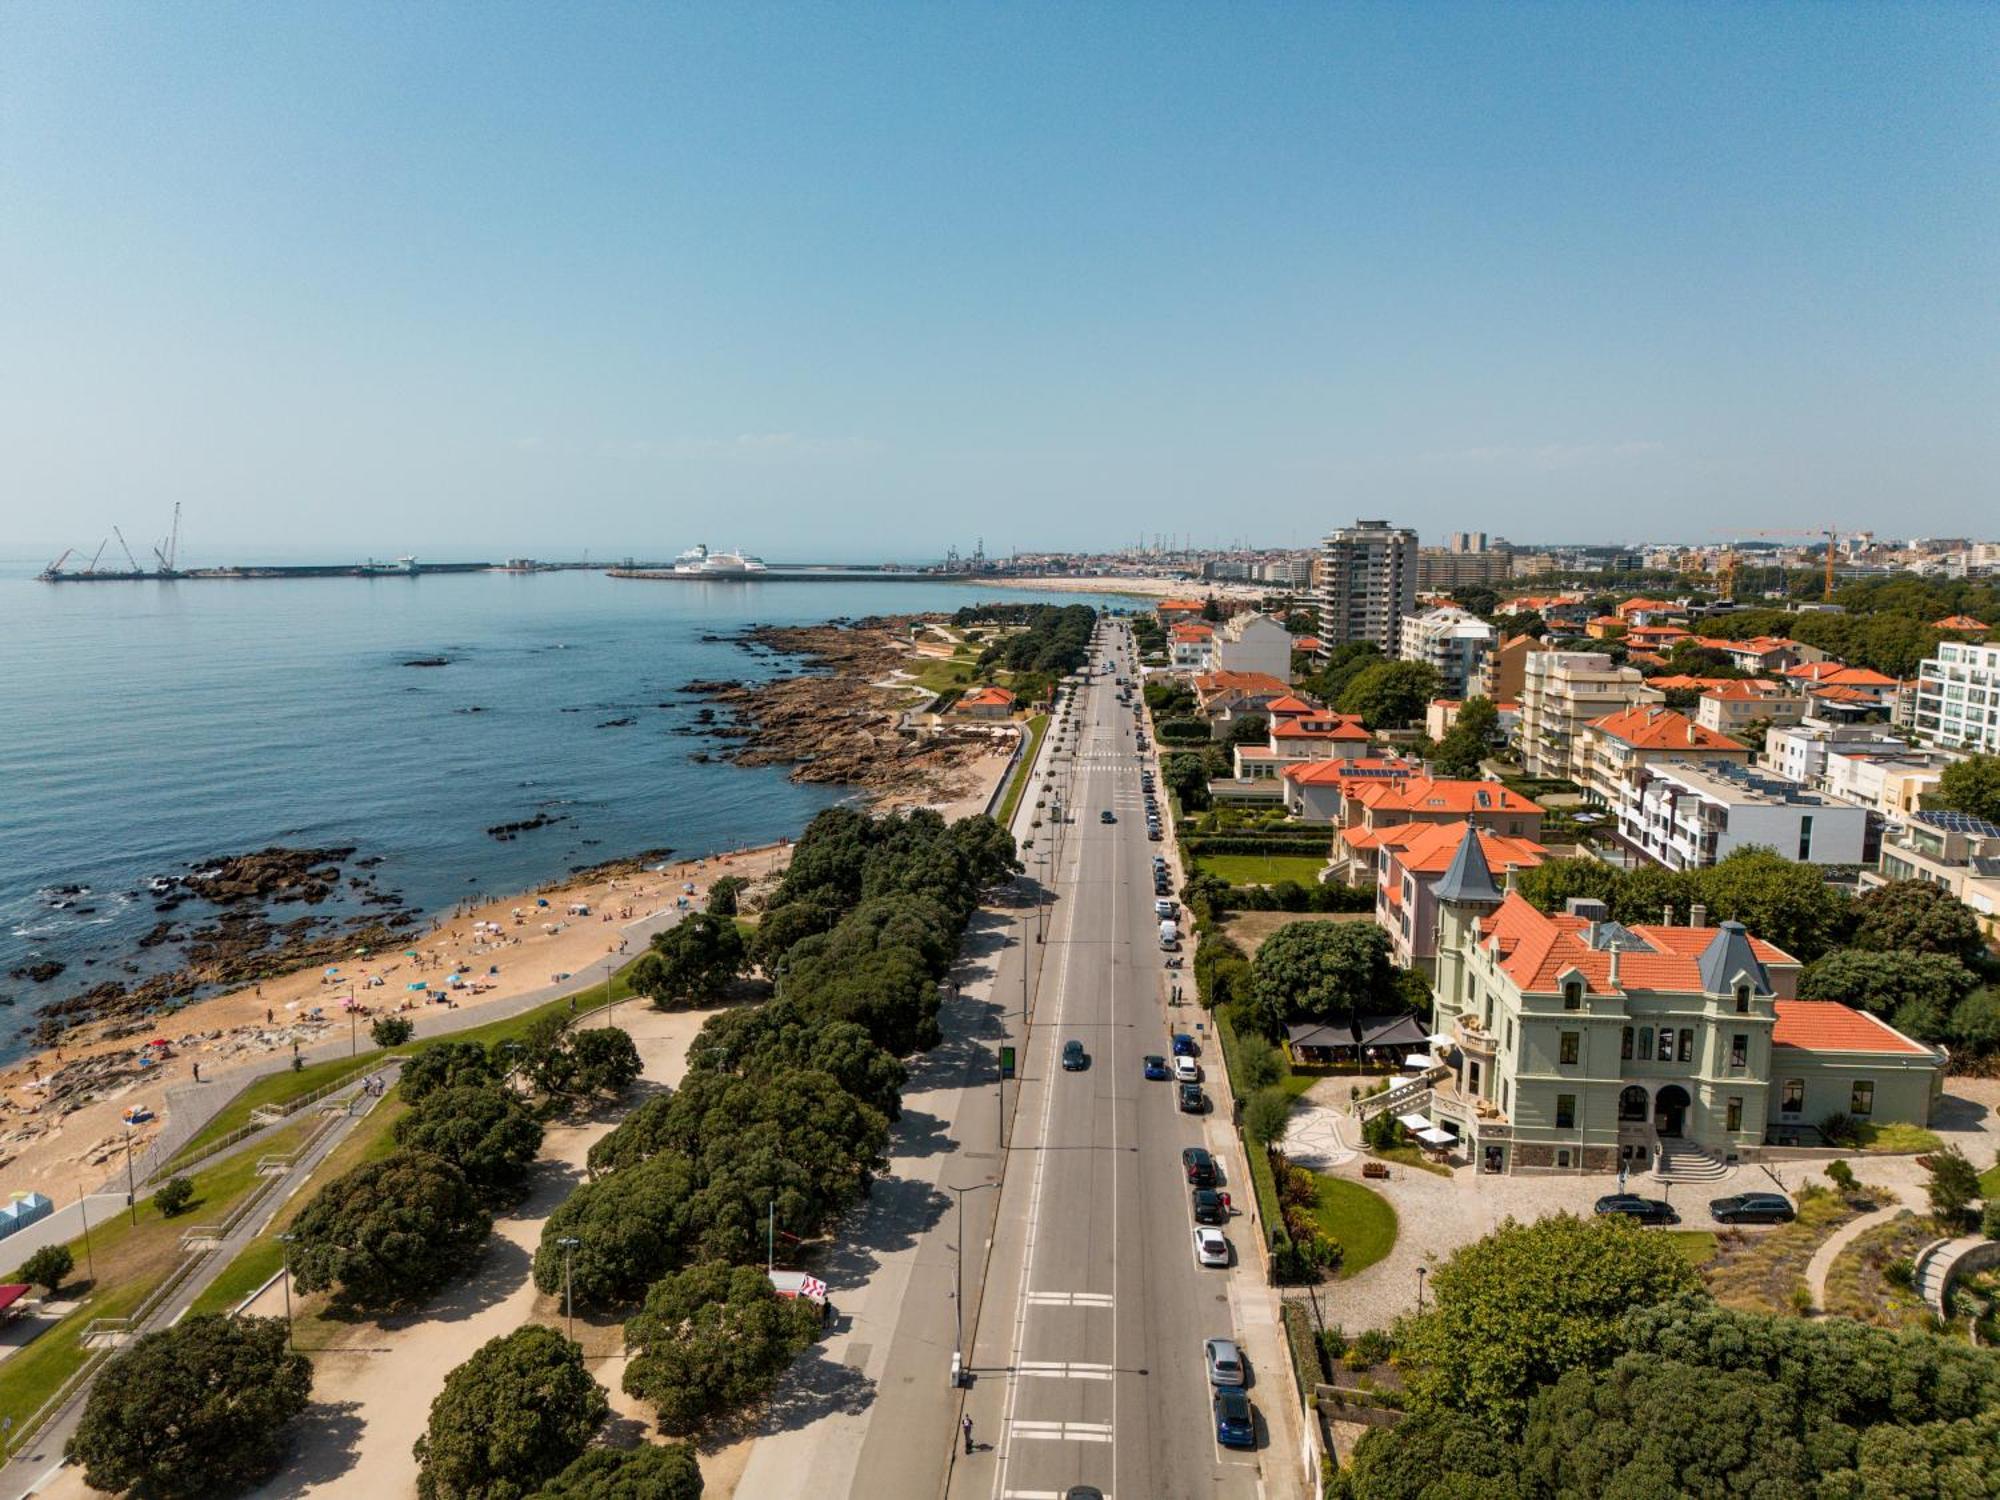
<point>83,1207</point>
<point>131,1188</point>
<point>569,1244</point>
<point>286,1241</point>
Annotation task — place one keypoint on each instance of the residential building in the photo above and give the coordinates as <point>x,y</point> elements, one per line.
<point>1729,706</point>
<point>1958,697</point>
<point>1801,752</point>
<point>1451,640</point>
<point>1891,783</point>
<point>1561,692</point>
<point>1315,791</point>
<point>1301,737</point>
<point>1252,642</point>
<point>1376,812</point>
<point>1580,1043</point>
<point>1441,568</point>
<point>1965,625</point>
<point>1367,583</point>
<point>1558,611</point>
<point>1224,699</point>
<point>1189,645</point>
<point>1686,816</point>
<point>986,703</point>
<point>1617,747</point>
<point>1649,612</point>
<point>1504,669</point>
<point>1178,611</point>
<point>1954,850</point>
<point>1764,654</point>
<point>1409,862</point>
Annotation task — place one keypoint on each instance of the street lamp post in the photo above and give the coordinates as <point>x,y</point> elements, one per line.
<point>958,1274</point>
<point>569,1244</point>
<point>1422,1271</point>
<point>131,1187</point>
<point>286,1277</point>
<point>83,1207</point>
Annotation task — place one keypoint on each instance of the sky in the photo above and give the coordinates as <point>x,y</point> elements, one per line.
<point>848,281</point>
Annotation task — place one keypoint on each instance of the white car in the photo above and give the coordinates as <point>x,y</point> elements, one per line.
<point>1211,1246</point>
<point>1186,1070</point>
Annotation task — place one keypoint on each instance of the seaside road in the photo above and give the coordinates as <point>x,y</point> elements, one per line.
<point>1088,1361</point>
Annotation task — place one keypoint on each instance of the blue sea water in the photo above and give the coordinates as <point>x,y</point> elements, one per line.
<point>145,727</point>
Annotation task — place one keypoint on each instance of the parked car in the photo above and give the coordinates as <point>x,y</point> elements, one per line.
<point>1153,834</point>
<point>1224,1361</point>
<point>1107,816</point>
<point>1209,1207</point>
<point>1235,1425</point>
<point>1753,1208</point>
<point>1165,909</point>
<point>1156,1068</point>
<point>1192,1100</point>
<point>1199,1166</point>
<point>1632,1206</point>
<point>1211,1247</point>
<point>1073,1059</point>
<point>1183,1045</point>
<point>1186,1069</point>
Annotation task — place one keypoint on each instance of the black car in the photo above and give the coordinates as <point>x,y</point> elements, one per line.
<point>1073,1059</point>
<point>1208,1207</point>
<point>1199,1166</point>
<point>1192,1100</point>
<point>1107,816</point>
<point>1641,1210</point>
<point>1752,1208</point>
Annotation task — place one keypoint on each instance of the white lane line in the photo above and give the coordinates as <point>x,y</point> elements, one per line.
<point>1070,1299</point>
<point>1117,906</point>
<point>1061,1369</point>
<point>1063,1432</point>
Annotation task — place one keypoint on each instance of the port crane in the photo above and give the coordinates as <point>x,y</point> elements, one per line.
<point>172,545</point>
<point>128,548</point>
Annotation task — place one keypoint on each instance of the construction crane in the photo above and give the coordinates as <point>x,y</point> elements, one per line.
<point>128,548</point>
<point>97,554</point>
<point>1832,535</point>
<point>168,550</point>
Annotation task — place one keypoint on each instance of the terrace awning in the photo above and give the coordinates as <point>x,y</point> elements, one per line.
<point>1436,1137</point>
<point>1415,1124</point>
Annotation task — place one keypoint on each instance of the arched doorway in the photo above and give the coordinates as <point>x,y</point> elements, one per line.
<point>1670,1107</point>
<point>1633,1104</point>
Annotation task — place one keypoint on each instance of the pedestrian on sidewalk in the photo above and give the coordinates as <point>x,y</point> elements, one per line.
<point>197,1072</point>
<point>965,1422</point>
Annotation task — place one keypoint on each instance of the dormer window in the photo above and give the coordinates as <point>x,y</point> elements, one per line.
<point>1742,999</point>
<point>1572,994</point>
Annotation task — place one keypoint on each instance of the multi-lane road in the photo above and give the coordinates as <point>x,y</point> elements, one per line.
<point>1087,1367</point>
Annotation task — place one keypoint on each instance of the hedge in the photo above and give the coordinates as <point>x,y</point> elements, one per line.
<point>1306,1369</point>
<point>1262,1178</point>
<point>1325,897</point>
<point>1286,841</point>
<point>1182,732</point>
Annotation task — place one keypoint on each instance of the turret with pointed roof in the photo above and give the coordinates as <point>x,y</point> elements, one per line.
<point>1468,880</point>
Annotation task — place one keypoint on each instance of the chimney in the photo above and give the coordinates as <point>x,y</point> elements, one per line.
<point>1614,950</point>
<point>1511,883</point>
<point>1691,734</point>
<point>1667,915</point>
<point>1698,914</point>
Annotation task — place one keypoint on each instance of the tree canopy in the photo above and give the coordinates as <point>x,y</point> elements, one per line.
<point>1388,694</point>
<point>1916,992</point>
<point>486,1131</point>
<point>1324,971</point>
<point>691,961</point>
<point>1971,786</point>
<point>765,1038</point>
<point>652,1471</point>
<point>510,1419</point>
<point>1915,916</point>
<point>444,1065</point>
<point>389,1232</point>
<point>192,1410</point>
<point>711,1340</point>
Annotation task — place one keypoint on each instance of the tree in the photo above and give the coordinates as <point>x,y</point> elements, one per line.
<point>1550,885</point>
<point>1975,1022</point>
<point>444,1065</point>
<point>1327,971</point>
<point>604,1060</point>
<point>1971,786</point>
<point>1928,985</point>
<point>1256,1059</point>
<point>652,1471</point>
<point>724,892</point>
<point>1390,694</point>
<point>632,1227</point>
<point>192,1410</point>
<point>1914,916</point>
<point>1779,900</point>
<point>48,1268</point>
<point>1266,1115</point>
<point>173,1196</point>
<point>1516,1309</point>
<point>1185,774</point>
<point>765,1038</point>
<point>391,1031</point>
<point>486,1131</point>
<point>509,1419</point>
<point>1477,599</point>
<point>711,1340</point>
<point>389,1232</point>
<point>1952,1189</point>
<point>1251,729</point>
<point>1344,663</point>
<point>690,961</point>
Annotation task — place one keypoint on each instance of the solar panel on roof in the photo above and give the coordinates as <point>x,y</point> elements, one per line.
<point>1958,822</point>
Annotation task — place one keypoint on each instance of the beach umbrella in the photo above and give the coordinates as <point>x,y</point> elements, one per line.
<point>159,1041</point>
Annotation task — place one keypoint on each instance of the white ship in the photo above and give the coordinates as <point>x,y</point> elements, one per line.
<point>700,560</point>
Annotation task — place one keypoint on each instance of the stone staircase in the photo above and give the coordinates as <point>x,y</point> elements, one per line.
<point>1684,1161</point>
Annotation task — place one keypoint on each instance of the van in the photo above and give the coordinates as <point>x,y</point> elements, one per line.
<point>1170,937</point>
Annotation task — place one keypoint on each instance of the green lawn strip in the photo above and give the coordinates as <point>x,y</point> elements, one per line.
<point>1896,1139</point>
<point>938,675</point>
<point>1037,727</point>
<point>1262,869</point>
<point>1360,1218</point>
<point>1697,1246</point>
<point>1989,1182</point>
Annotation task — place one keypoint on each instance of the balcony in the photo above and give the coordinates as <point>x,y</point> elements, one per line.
<point>1475,1038</point>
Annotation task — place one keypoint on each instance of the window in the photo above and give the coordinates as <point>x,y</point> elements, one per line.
<point>1570,1041</point>
<point>1565,1111</point>
<point>1733,1115</point>
<point>1687,1044</point>
<point>1742,999</point>
<point>1632,1104</point>
<point>1562,1158</point>
<point>1792,1097</point>
<point>1805,837</point>
<point>1739,1050</point>
<point>1666,1044</point>
<point>1625,1044</point>
<point>1645,1044</point>
<point>1510,1033</point>
<point>1573,995</point>
<point>1861,1100</point>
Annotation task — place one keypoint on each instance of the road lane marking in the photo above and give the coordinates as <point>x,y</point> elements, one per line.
<point>1063,1369</point>
<point>1063,1432</point>
<point>1070,1299</point>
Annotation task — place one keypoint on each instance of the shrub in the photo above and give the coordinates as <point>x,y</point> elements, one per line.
<point>1840,1130</point>
<point>1900,1272</point>
<point>725,895</point>
<point>1802,1300</point>
<point>1332,1343</point>
<point>1266,1115</point>
<point>48,1268</point>
<point>391,1031</point>
<point>1989,1220</point>
<point>174,1195</point>
<point>1257,1060</point>
<point>1841,1175</point>
<point>1953,1188</point>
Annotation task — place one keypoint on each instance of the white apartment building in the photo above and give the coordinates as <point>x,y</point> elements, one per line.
<point>1561,692</point>
<point>1856,763</point>
<point>1367,583</point>
<point>1958,697</point>
<point>1450,639</point>
<point>1687,816</point>
<point>1252,643</point>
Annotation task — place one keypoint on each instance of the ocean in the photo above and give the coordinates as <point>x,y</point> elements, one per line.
<point>148,727</point>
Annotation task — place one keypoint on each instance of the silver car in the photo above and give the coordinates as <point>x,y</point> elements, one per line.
<point>1225,1362</point>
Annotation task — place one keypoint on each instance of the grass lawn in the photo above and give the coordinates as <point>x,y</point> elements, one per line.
<point>1360,1218</point>
<point>1989,1182</point>
<point>1263,869</point>
<point>941,676</point>
<point>1037,727</point>
<point>1763,1271</point>
<point>1411,1156</point>
<point>1897,1139</point>
<point>1697,1246</point>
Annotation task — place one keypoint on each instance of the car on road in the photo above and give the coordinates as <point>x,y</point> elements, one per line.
<point>1752,1208</point>
<point>1165,909</point>
<point>1183,1045</point>
<point>1073,1058</point>
<point>1107,816</point>
<point>1198,1165</point>
<point>1186,1069</point>
<point>1641,1210</point>
<point>1153,834</point>
<point>1235,1426</point>
<point>1224,1361</point>
<point>1156,1068</point>
<point>1083,1492</point>
<point>1192,1100</point>
<point>1211,1247</point>
<point>1209,1207</point>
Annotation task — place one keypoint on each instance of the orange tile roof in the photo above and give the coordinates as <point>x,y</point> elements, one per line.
<point>1703,684</point>
<point>1291,703</point>
<point>1748,690</point>
<point>1306,643</point>
<point>1333,727</point>
<point>1638,606</point>
<point>1430,846</point>
<point>1536,949</point>
<point>988,697</point>
<point>1839,693</point>
<point>1240,682</point>
<point>1193,632</point>
<point>1178,604</point>
<point>1425,794</point>
<point>1652,728</point>
<point>1959,622</point>
<point>1321,772</point>
<point>1828,1026</point>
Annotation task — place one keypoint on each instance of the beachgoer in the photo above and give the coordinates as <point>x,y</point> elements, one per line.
<point>965,1424</point>
<point>197,1072</point>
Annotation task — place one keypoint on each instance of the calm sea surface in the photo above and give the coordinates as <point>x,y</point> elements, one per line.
<point>147,727</point>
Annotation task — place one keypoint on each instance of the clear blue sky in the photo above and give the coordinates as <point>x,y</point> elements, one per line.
<point>846,280</point>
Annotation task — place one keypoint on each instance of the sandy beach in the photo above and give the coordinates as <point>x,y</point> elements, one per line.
<point>1160,588</point>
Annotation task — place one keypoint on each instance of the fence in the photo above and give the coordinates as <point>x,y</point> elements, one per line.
<point>263,1118</point>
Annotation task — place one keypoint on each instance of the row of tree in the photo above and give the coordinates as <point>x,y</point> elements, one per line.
<point>1054,640</point>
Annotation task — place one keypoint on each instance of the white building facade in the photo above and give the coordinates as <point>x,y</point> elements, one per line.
<point>1958,697</point>
<point>1451,640</point>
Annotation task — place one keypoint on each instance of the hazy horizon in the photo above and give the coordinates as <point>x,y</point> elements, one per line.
<point>874,281</point>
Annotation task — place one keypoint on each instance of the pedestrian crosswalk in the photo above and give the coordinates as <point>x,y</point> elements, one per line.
<point>1069,1299</point>
<point>1063,1432</point>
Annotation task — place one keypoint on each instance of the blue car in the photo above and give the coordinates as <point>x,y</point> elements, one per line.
<point>1184,1045</point>
<point>1234,1425</point>
<point>1156,1068</point>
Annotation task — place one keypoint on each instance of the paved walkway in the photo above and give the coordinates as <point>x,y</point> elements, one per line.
<point>1830,1248</point>
<point>1315,1137</point>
